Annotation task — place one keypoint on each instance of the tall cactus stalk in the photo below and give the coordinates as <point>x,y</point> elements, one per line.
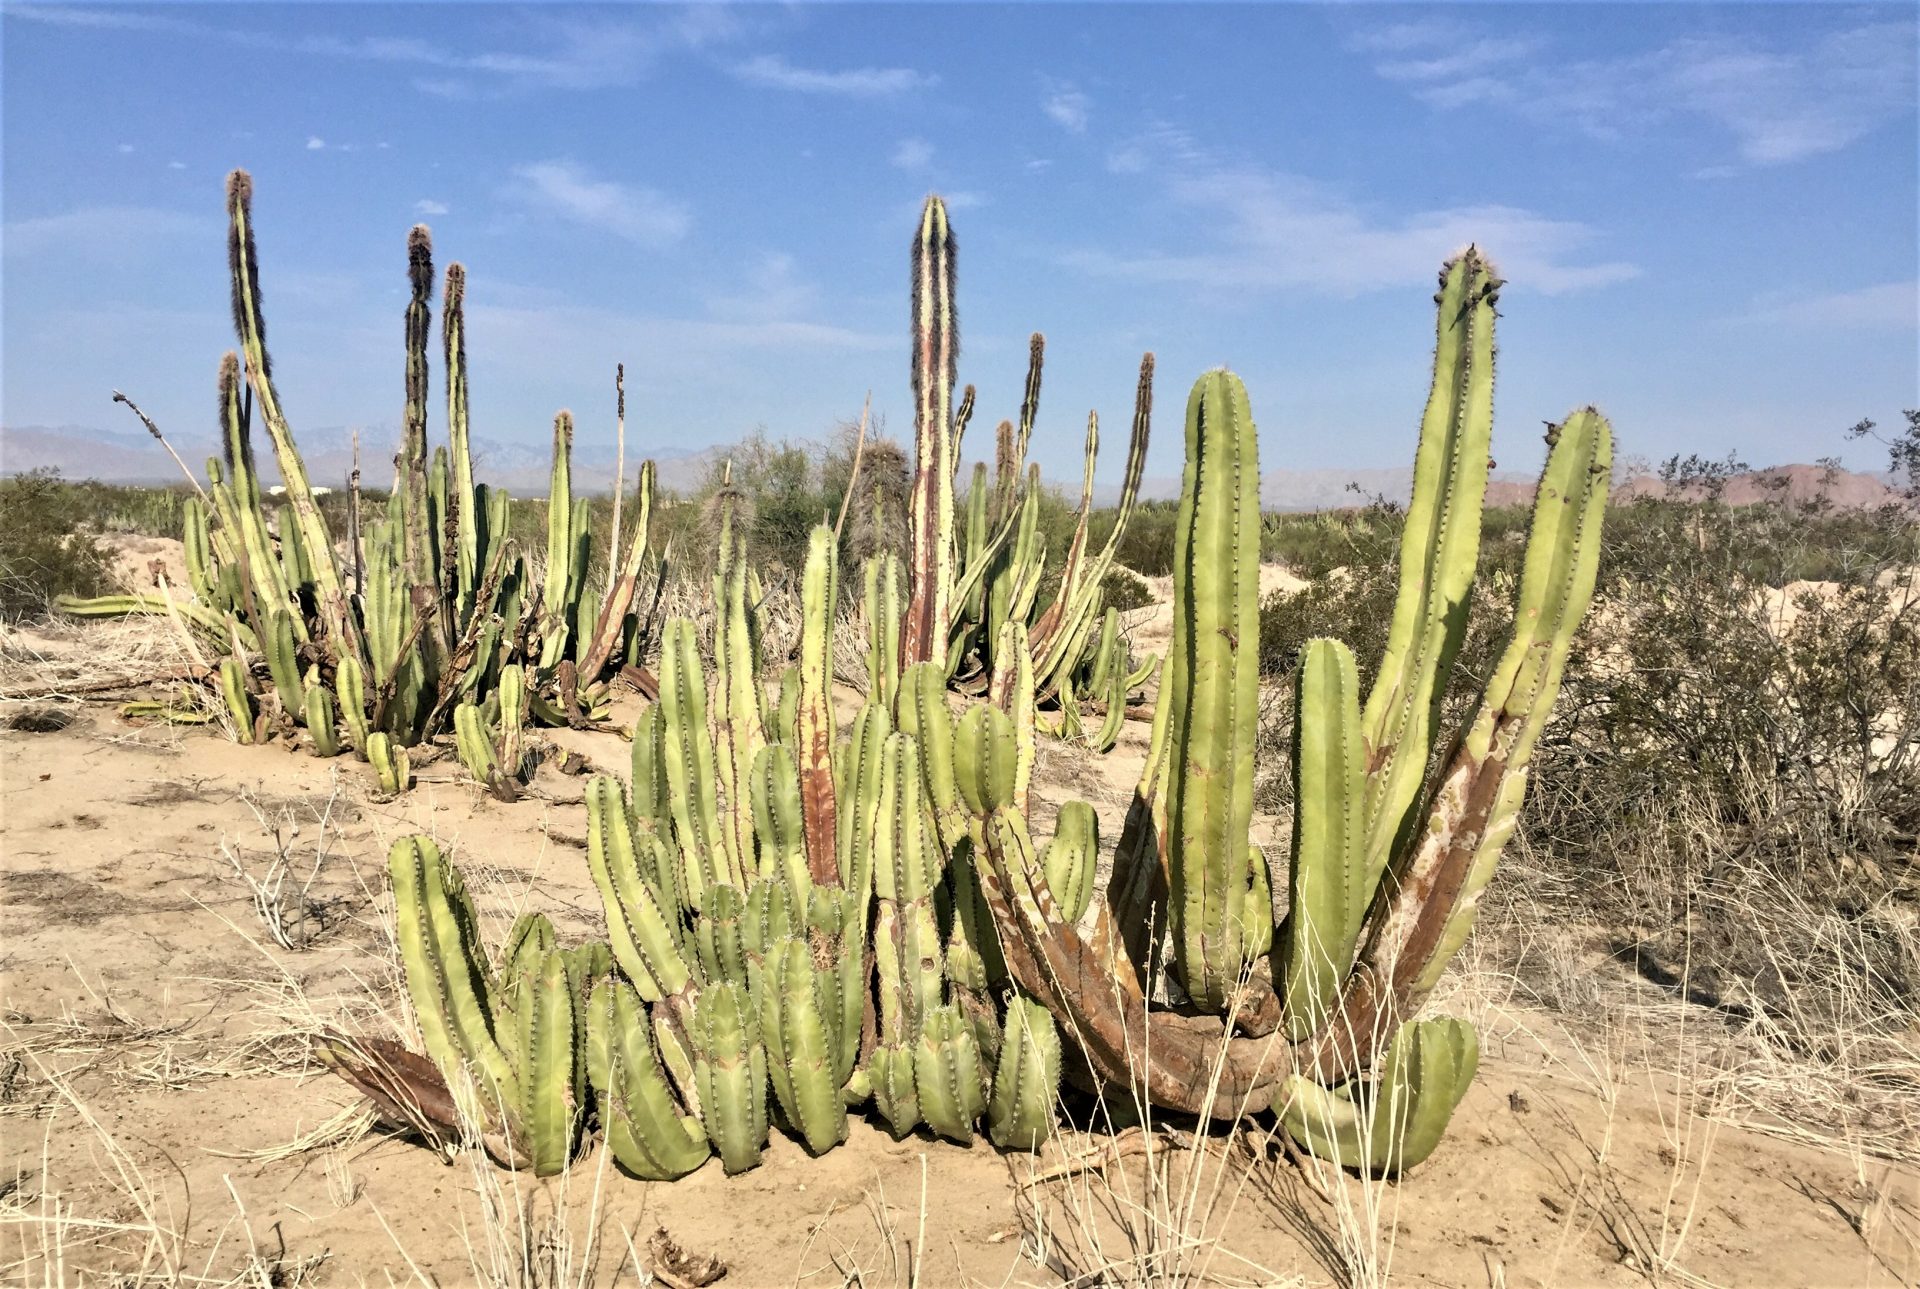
<point>1439,548</point>
<point>244,266</point>
<point>1213,688</point>
<point>936,353</point>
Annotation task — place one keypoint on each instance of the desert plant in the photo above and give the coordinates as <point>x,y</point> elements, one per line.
<point>434,601</point>
<point>1387,865</point>
<point>45,550</point>
<point>967,580</point>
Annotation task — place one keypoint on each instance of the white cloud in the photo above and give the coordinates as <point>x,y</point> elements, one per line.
<point>913,154</point>
<point>639,214</point>
<point>1886,304</point>
<point>771,71</point>
<point>315,143</point>
<point>1067,107</point>
<point>1779,102</point>
<point>104,231</point>
<point>428,206</point>
<point>124,148</point>
<point>1037,164</point>
<point>176,165</point>
<point>1268,229</point>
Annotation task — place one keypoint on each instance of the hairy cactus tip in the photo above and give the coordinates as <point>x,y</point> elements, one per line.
<point>456,279</point>
<point>239,190</point>
<point>420,259</point>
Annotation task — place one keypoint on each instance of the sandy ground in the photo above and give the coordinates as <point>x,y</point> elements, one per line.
<point>156,1087</point>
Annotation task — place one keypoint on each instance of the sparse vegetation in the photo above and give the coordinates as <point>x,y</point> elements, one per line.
<point>48,546</point>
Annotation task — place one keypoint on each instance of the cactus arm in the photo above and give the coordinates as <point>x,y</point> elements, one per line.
<point>797,1038</point>
<point>320,726</point>
<point>392,770</point>
<point>1331,884</point>
<point>936,351</point>
<point>1438,552</point>
<point>543,1040</point>
<point>283,664</point>
<point>813,723</point>
<point>1212,686</point>
<point>239,503</point>
<point>243,264</point>
<point>439,942</point>
<point>691,774</point>
<point>120,606</point>
<point>882,604</point>
<point>730,1070</point>
<point>1026,1079</point>
<point>560,545</point>
<point>233,688</point>
<point>947,1074</point>
<point>641,918</point>
<point>739,725</point>
<point>613,613</point>
<point>646,1131</point>
<point>350,679</point>
<point>1053,618</point>
<point>473,742</point>
<point>1428,1068</point>
<point>467,501</point>
<point>1435,886</point>
<point>417,529</point>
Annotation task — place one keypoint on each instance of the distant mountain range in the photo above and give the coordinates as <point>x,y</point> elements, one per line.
<point>134,458</point>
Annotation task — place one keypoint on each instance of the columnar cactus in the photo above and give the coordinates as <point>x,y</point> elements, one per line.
<point>1385,879</point>
<point>509,1044</point>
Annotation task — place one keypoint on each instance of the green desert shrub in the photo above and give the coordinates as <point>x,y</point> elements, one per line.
<point>47,547</point>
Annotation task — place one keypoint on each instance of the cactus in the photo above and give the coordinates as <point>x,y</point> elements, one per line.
<point>319,718</point>
<point>1385,877</point>
<point>936,353</point>
<point>507,1045</point>
<point>233,687</point>
<point>1422,1079</point>
<point>649,1133</point>
<point>392,771</point>
<point>1212,688</point>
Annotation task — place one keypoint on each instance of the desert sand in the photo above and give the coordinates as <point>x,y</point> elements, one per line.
<point>162,1115</point>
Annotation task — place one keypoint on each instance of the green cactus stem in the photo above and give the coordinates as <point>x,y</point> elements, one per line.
<point>936,353</point>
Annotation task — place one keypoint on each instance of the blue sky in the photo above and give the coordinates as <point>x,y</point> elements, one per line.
<point>1706,213</point>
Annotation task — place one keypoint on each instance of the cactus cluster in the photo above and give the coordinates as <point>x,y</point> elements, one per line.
<point>806,915</point>
<point>429,620</point>
<point>969,579</point>
<point>1314,1015</point>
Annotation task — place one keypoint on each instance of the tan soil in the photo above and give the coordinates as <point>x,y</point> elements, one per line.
<point>155,1036</point>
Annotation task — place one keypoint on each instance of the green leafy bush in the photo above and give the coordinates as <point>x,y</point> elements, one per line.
<point>46,547</point>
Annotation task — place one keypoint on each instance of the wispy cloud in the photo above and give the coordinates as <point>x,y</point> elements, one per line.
<point>771,71</point>
<point>561,50</point>
<point>913,154</point>
<point>428,206</point>
<point>1066,106</point>
<point>316,144</point>
<point>639,214</point>
<point>1268,229</point>
<point>1780,102</point>
<point>1885,304</point>
<point>104,231</point>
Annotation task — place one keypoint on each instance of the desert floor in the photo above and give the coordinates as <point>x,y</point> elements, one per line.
<point>161,1115</point>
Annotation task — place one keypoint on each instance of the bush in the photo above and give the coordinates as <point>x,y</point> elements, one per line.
<point>1736,741</point>
<point>46,549</point>
<point>1123,589</point>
